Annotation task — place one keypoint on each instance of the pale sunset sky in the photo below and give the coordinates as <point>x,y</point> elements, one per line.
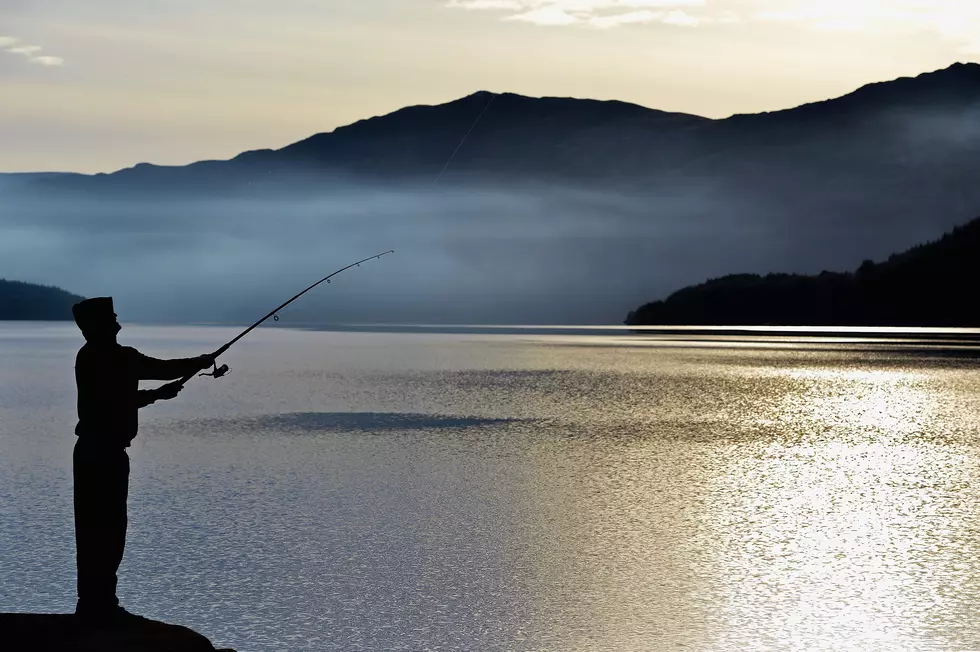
<point>97,85</point>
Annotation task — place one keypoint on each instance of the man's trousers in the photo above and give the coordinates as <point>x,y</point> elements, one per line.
<point>101,488</point>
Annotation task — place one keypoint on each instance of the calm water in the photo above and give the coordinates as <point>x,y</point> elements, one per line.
<point>386,491</point>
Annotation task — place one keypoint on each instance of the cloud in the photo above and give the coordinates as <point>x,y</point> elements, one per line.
<point>681,18</point>
<point>49,61</point>
<point>602,14</point>
<point>547,16</point>
<point>9,44</point>
<point>487,4</point>
<point>957,21</point>
<point>27,50</point>
<point>954,21</point>
<point>615,20</point>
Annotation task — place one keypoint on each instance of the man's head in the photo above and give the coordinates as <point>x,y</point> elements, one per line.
<point>96,318</point>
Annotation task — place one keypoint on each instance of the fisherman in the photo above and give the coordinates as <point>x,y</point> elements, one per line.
<point>107,376</point>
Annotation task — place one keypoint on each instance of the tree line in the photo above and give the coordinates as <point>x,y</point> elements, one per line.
<point>932,284</point>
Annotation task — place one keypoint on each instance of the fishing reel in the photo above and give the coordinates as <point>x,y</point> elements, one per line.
<point>218,372</point>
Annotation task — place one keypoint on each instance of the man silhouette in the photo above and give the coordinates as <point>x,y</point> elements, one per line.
<point>107,376</point>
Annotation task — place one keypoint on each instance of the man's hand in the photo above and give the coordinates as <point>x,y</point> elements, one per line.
<point>205,361</point>
<point>169,391</point>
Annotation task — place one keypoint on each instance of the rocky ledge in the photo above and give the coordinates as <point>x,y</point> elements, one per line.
<point>66,633</point>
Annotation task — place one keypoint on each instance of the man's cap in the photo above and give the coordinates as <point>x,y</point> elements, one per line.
<point>97,311</point>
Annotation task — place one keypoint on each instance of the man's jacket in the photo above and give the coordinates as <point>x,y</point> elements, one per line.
<point>109,397</point>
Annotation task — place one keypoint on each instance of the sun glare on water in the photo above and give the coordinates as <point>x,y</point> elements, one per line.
<point>847,528</point>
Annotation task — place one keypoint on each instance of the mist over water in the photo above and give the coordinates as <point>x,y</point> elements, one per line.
<point>507,235</point>
<point>462,255</point>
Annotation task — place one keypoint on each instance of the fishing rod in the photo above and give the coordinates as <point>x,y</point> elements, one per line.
<point>218,372</point>
<point>223,369</point>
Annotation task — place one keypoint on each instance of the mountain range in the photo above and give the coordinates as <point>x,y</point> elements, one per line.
<point>886,132</point>
<point>618,202</point>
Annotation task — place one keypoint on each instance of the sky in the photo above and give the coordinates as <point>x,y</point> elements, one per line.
<point>98,85</point>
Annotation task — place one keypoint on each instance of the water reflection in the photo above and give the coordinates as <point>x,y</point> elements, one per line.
<point>873,402</point>
<point>348,422</point>
<point>615,552</point>
<point>851,533</point>
<point>502,493</point>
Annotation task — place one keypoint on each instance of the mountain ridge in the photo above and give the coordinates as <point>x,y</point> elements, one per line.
<point>342,150</point>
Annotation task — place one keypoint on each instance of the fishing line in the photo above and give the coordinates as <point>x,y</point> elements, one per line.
<point>218,372</point>
<point>493,96</point>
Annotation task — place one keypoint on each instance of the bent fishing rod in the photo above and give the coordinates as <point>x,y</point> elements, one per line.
<point>223,369</point>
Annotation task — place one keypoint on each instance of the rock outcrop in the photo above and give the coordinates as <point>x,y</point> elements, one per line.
<point>65,633</point>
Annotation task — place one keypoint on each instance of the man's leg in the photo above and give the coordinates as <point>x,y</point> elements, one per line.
<point>101,487</point>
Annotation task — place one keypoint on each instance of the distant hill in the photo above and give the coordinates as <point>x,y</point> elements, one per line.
<point>11,180</point>
<point>901,156</point>
<point>518,138</point>
<point>929,285</point>
<point>878,138</point>
<point>26,301</point>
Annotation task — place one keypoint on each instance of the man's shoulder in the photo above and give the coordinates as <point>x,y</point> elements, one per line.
<point>131,355</point>
<point>91,352</point>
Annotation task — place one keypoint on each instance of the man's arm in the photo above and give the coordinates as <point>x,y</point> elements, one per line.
<point>148,368</point>
<point>146,397</point>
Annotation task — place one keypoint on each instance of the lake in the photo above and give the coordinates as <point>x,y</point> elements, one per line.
<point>522,491</point>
